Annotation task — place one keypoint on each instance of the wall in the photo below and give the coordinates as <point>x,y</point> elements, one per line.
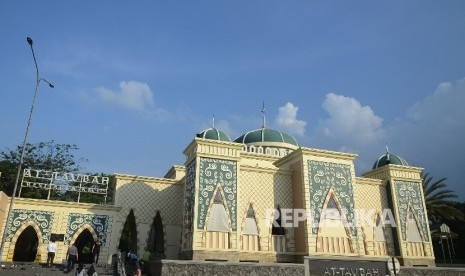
<point>68,218</point>
<point>170,267</point>
<point>146,196</point>
<point>4,203</point>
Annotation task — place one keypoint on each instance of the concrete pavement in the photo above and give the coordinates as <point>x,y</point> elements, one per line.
<point>35,269</point>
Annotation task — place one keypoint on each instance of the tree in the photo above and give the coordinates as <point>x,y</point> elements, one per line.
<point>95,198</point>
<point>41,156</point>
<point>48,156</point>
<point>438,200</point>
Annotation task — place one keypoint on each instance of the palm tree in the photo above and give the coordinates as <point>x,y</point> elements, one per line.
<point>438,200</point>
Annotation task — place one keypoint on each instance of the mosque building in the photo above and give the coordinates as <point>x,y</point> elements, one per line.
<point>262,197</point>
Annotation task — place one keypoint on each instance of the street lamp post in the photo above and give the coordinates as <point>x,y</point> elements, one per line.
<point>13,196</point>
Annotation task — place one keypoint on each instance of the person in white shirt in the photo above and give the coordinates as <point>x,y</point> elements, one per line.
<point>51,250</point>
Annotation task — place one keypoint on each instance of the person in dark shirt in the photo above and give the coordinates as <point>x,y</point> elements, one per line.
<point>96,250</point>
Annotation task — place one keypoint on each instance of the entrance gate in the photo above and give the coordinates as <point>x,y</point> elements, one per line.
<point>26,246</point>
<point>84,243</point>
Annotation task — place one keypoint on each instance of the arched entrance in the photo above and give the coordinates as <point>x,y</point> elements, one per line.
<point>26,246</point>
<point>128,240</point>
<point>156,242</point>
<point>84,243</point>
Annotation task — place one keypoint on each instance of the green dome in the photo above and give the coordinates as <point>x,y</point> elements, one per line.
<point>265,135</point>
<point>214,134</point>
<point>389,158</point>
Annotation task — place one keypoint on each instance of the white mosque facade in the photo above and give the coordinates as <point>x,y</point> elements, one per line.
<point>260,198</point>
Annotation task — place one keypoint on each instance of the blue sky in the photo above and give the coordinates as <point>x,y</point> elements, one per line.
<point>135,80</point>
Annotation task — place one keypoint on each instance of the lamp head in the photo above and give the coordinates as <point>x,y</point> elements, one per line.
<point>51,85</point>
<point>29,40</point>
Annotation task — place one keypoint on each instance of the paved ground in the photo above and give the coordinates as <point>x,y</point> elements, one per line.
<point>35,269</point>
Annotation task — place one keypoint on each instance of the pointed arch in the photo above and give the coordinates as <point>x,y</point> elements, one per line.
<point>217,227</point>
<point>332,210</point>
<point>21,229</point>
<point>250,238</point>
<point>128,238</point>
<point>333,234</point>
<point>413,226</point>
<point>380,245</point>
<point>249,225</point>
<point>84,239</point>
<point>156,238</point>
<point>81,229</point>
<point>217,216</point>
<point>26,243</point>
<point>414,235</point>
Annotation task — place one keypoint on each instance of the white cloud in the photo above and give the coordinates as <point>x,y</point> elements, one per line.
<point>432,134</point>
<point>443,107</point>
<point>132,95</point>
<point>287,120</point>
<point>350,124</point>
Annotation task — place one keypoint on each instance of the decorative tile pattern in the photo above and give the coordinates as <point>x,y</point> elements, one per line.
<point>323,177</point>
<point>189,197</point>
<point>43,219</point>
<point>147,198</point>
<point>371,199</point>
<point>98,222</point>
<point>408,194</point>
<point>266,191</point>
<point>214,172</point>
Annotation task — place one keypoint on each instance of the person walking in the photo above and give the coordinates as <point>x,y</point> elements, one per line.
<point>51,250</point>
<point>96,250</point>
<point>72,256</point>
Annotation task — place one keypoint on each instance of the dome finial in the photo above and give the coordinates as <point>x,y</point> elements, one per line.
<point>263,111</point>
<point>213,121</point>
<point>387,152</point>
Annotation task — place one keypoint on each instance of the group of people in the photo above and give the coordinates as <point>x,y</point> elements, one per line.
<point>135,263</point>
<point>72,256</point>
<point>138,265</point>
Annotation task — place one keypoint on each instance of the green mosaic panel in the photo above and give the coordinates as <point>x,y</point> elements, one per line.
<point>214,172</point>
<point>323,176</point>
<point>189,196</point>
<point>43,219</point>
<point>98,222</point>
<point>408,194</point>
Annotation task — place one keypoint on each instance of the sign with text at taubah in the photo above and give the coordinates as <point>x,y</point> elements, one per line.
<point>59,181</point>
<point>345,266</point>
